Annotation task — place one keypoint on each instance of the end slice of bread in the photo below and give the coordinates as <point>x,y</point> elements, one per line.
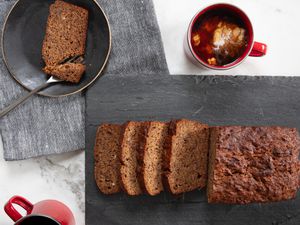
<point>186,157</point>
<point>107,158</point>
<point>153,152</point>
<point>130,157</point>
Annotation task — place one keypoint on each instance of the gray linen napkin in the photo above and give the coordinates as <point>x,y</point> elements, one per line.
<point>44,126</point>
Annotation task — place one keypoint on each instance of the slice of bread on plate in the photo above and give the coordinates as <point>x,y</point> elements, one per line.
<point>65,37</point>
<point>71,72</point>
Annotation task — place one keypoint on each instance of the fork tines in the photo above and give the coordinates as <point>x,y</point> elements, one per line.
<point>74,59</point>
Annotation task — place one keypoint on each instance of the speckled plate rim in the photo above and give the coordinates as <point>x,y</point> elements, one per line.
<point>62,95</point>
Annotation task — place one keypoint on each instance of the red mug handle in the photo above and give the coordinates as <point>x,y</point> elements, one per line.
<point>258,49</point>
<point>12,212</point>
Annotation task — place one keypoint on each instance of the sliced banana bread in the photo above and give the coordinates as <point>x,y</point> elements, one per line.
<point>186,158</point>
<point>253,164</point>
<point>153,152</point>
<point>131,157</point>
<point>65,37</point>
<point>71,72</point>
<point>107,158</point>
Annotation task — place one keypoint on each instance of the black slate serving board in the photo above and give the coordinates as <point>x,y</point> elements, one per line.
<point>214,100</point>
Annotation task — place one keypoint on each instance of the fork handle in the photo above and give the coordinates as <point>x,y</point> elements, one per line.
<point>22,99</point>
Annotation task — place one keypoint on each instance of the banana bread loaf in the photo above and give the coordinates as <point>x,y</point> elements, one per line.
<point>253,164</point>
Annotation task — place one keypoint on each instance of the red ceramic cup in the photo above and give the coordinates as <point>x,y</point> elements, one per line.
<point>47,212</point>
<point>255,49</point>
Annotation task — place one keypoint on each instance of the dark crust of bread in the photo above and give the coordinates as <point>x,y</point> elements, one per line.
<point>169,154</point>
<point>123,127</point>
<point>140,156</point>
<point>253,164</point>
<point>107,158</point>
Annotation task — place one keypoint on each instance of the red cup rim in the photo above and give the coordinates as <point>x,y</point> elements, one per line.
<point>249,29</point>
<point>35,215</point>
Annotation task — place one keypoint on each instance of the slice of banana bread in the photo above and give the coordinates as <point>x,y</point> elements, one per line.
<point>131,157</point>
<point>107,158</point>
<point>65,37</point>
<point>186,158</point>
<point>153,152</point>
<point>253,164</point>
<point>71,72</point>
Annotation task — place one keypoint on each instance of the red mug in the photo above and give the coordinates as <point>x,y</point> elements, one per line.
<point>47,212</point>
<point>253,48</point>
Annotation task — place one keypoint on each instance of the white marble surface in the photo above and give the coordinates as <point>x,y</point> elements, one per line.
<point>58,177</point>
<point>62,177</point>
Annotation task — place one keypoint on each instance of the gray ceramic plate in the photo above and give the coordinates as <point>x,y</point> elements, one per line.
<point>23,34</point>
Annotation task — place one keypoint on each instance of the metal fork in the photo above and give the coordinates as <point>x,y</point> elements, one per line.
<point>51,80</point>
